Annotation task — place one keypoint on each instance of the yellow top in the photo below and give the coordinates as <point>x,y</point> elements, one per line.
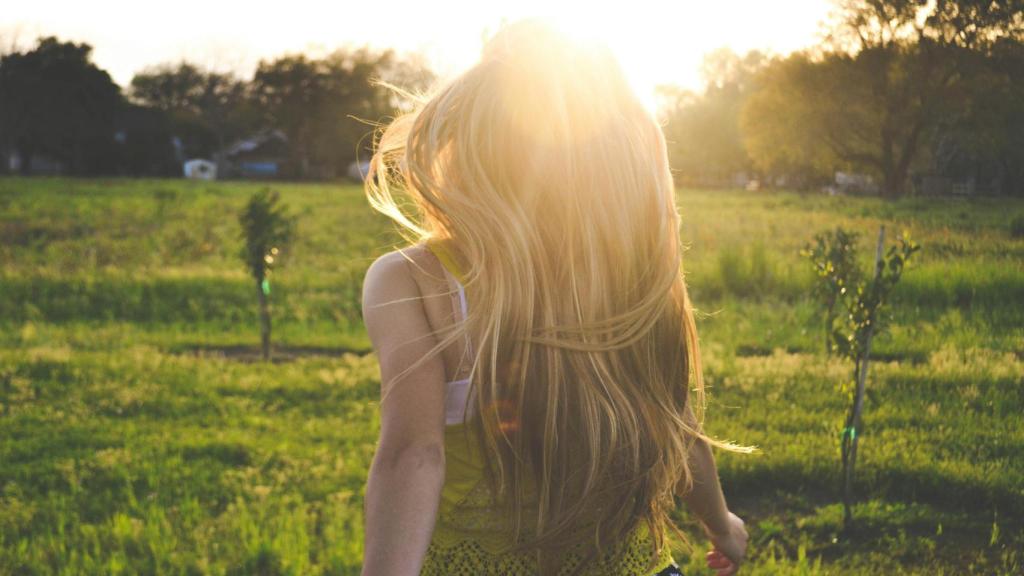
<point>469,536</point>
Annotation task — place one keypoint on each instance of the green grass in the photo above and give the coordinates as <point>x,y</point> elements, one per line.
<point>121,451</point>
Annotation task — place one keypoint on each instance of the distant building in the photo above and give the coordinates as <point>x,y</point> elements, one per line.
<point>200,169</point>
<point>261,155</point>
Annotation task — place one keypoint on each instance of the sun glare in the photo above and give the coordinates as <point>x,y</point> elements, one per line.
<point>660,43</point>
<point>599,28</point>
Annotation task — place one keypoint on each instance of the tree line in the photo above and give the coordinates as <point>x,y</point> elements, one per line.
<point>912,95</point>
<point>908,92</point>
<point>55,103</point>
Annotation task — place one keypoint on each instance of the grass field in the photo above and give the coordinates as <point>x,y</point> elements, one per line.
<point>130,444</point>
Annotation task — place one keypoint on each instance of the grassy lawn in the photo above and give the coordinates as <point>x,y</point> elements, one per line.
<point>130,443</point>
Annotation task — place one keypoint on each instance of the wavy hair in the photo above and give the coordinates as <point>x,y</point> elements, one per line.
<point>549,179</point>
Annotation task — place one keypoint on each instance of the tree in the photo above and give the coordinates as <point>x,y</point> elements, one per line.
<point>55,101</point>
<point>267,229</point>
<point>782,121</point>
<point>983,141</point>
<point>874,96</point>
<point>324,104</point>
<point>292,94</point>
<point>833,255</point>
<point>907,70</point>
<point>833,260</point>
<point>969,24</point>
<point>870,112</point>
<point>207,109</point>
<point>144,143</point>
<point>703,130</point>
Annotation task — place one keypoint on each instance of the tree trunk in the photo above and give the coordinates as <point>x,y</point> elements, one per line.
<point>264,321</point>
<point>850,432</point>
<point>902,169</point>
<point>894,181</point>
<point>889,176</point>
<point>830,318</point>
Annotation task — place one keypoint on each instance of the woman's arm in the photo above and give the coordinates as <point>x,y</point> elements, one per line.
<point>706,500</point>
<point>404,484</point>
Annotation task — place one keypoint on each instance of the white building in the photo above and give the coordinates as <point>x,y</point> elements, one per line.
<point>200,169</point>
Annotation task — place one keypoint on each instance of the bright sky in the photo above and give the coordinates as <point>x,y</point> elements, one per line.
<point>657,42</point>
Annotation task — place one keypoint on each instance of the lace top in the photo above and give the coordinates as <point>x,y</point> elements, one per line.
<point>470,536</point>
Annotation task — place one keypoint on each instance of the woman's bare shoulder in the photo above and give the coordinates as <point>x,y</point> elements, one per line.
<point>409,270</point>
<point>416,261</point>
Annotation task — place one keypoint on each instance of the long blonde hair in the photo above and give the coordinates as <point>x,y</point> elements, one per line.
<point>550,180</point>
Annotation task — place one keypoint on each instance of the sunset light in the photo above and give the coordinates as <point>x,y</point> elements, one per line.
<point>656,42</point>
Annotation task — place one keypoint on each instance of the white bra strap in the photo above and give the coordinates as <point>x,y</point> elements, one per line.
<point>462,301</point>
<point>463,305</point>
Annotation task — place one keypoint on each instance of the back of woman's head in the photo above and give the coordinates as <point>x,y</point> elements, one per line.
<point>550,180</point>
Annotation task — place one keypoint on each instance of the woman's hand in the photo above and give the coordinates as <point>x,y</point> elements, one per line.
<point>730,547</point>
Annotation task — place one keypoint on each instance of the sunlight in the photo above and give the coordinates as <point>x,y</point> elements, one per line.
<point>665,42</point>
<point>606,28</point>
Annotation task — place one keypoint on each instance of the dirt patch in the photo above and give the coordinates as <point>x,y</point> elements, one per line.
<point>753,350</point>
<point>278,353</point>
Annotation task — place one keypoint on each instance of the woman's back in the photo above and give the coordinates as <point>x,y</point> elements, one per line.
<point>470,533</point>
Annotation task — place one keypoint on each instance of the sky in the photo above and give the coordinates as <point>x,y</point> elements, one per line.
<point>660,42</point>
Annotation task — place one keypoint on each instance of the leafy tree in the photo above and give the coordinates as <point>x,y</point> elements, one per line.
<point>872,99</point>
<point>54,101</point>
<point>144,143</point>
<point>323,104</point>
<point>984,140</point>
<point>833,258</point>
<point>969,24</point>
<point>703,130</point>
<point>781,121</point>
<point>833,255</point>
<point>207,109</point>
<point>267,229</point>
<point>868,112</point>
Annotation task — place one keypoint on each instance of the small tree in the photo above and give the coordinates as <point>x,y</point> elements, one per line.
<point>267,229</point>
<point>851,338</point>
<point>834,257</point>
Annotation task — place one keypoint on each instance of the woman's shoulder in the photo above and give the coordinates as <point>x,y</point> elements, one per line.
<point>407,260</point>
<point>403,272</point>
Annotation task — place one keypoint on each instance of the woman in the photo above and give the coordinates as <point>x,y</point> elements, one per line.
<point>536,342</point>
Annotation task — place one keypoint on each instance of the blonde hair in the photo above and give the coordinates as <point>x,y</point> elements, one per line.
<point>550,181</point>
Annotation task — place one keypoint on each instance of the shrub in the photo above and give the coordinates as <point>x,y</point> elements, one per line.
<point>1017,227</point>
